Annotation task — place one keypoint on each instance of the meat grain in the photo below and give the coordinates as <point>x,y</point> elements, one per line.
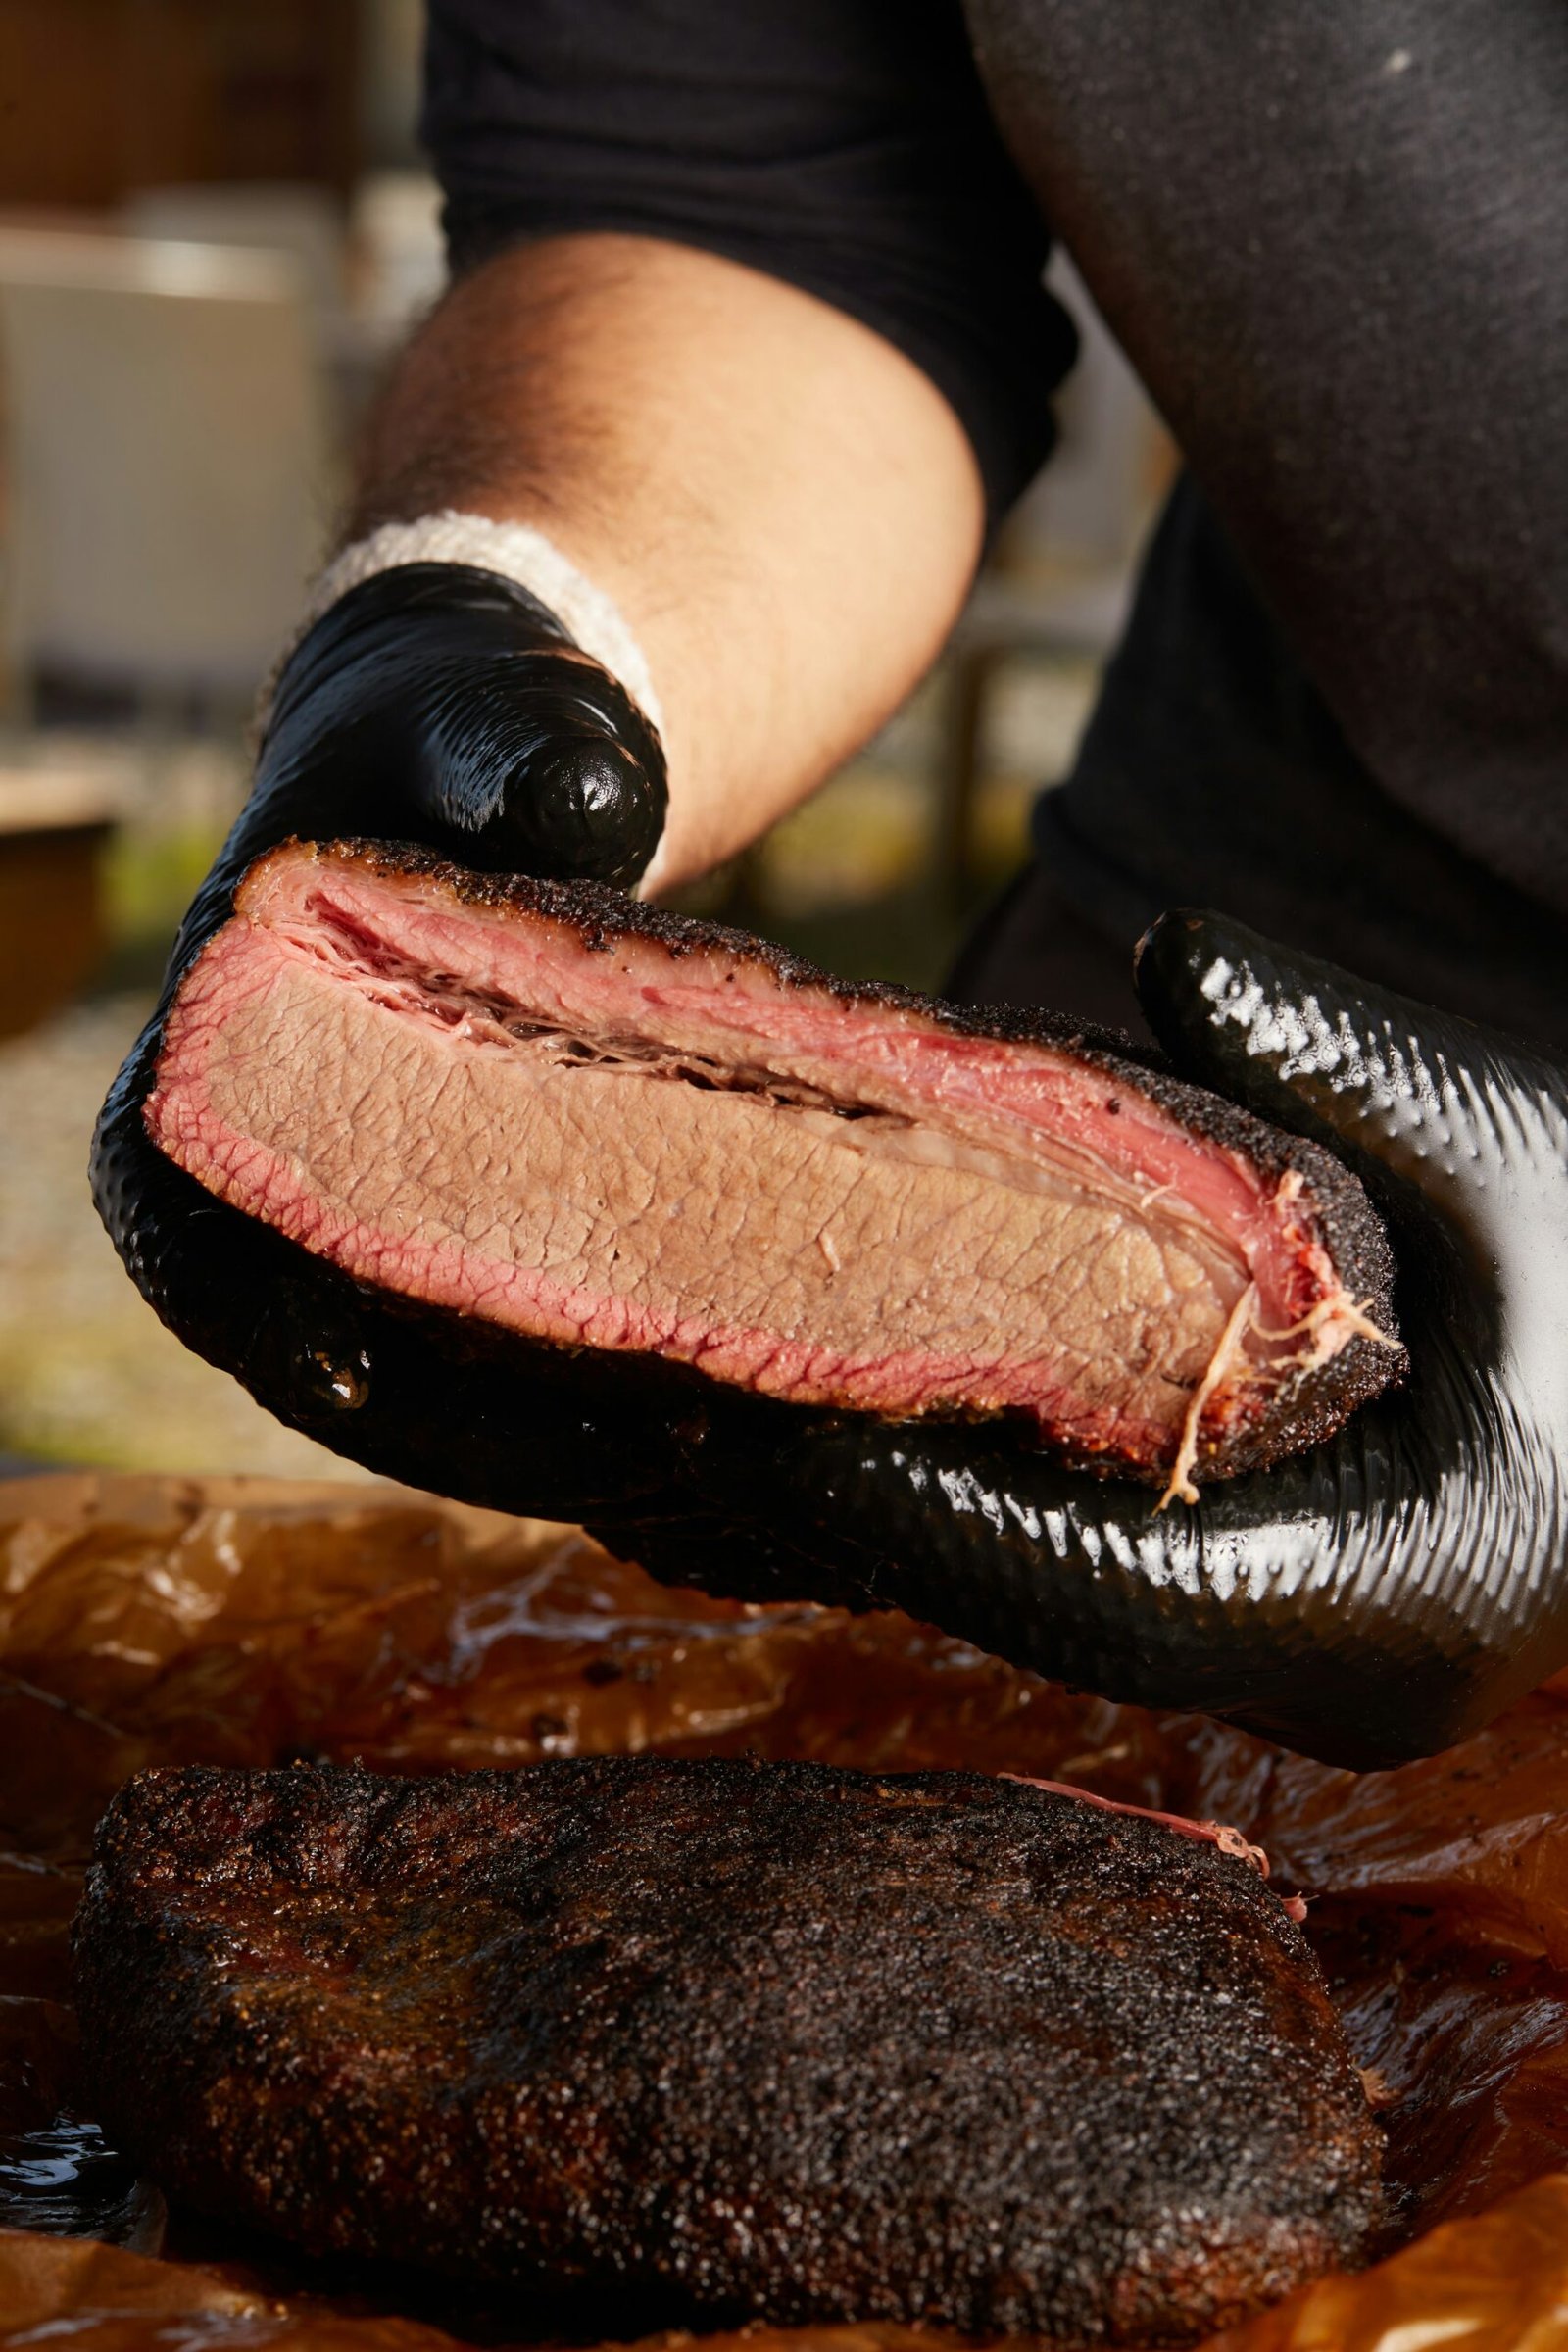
<point>707,2040</point>
<point>597,1126</point>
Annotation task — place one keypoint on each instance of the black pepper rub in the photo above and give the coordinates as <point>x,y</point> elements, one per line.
<point>720,2039</point>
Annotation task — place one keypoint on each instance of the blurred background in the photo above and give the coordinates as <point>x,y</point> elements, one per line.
<point>216,229</point>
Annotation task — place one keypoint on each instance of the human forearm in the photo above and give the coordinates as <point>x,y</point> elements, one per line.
<point>785,511</point>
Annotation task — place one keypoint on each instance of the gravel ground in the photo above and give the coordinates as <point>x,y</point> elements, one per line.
<point>87,1372</point>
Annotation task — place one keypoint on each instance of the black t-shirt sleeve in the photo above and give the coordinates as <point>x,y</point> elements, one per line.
<point>843,146</point>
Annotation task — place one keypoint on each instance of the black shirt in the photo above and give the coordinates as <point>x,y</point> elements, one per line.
<point>1333,240</point>
<point>842,145</point>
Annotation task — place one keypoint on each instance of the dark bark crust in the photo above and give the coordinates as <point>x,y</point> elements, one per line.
<point>722,2038</point>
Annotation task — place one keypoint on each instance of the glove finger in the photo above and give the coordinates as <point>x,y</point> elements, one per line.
<point>1420,1093</point>
<point>445,705</point>
<point>539,763</point>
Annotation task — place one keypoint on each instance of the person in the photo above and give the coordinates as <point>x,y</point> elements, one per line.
<point>747,319</point>
<point>679,490</point>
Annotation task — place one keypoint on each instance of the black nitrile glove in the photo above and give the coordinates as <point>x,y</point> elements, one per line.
<point>440,704</point>
<point>1373,1600</point>
<point>437,703</point>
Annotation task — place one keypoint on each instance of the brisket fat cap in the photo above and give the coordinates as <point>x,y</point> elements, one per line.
<point>598,1125</point>
<point>723,2039</point>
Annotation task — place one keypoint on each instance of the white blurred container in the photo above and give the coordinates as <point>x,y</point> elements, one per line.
<point>166,460</point>
<point>293,218</point>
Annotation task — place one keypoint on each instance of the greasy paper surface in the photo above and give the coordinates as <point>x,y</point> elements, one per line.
<point>236,1622</point>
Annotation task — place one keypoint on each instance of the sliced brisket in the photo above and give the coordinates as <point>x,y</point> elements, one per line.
<point>722,2038</point>
<point>599,1126</point>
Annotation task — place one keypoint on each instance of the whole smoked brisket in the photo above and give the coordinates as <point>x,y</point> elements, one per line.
<point>694,2041</point>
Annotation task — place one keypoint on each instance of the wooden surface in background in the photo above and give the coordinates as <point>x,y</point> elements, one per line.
<point>52,930</point>
<point>99,97</point>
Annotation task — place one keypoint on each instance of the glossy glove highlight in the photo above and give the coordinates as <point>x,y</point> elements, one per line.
<point>440,704</point>
<point>443,705</point>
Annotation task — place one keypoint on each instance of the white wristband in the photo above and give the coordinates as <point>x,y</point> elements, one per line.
<point>519,552</point>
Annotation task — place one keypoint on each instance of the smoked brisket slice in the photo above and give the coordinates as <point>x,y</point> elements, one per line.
<point>724,2038</point>
<point>599,1126</point>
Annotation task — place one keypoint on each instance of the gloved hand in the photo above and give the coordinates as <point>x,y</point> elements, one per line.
<point>437,703</point>
<point>440,704</point>
<point>1373,1600</point>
